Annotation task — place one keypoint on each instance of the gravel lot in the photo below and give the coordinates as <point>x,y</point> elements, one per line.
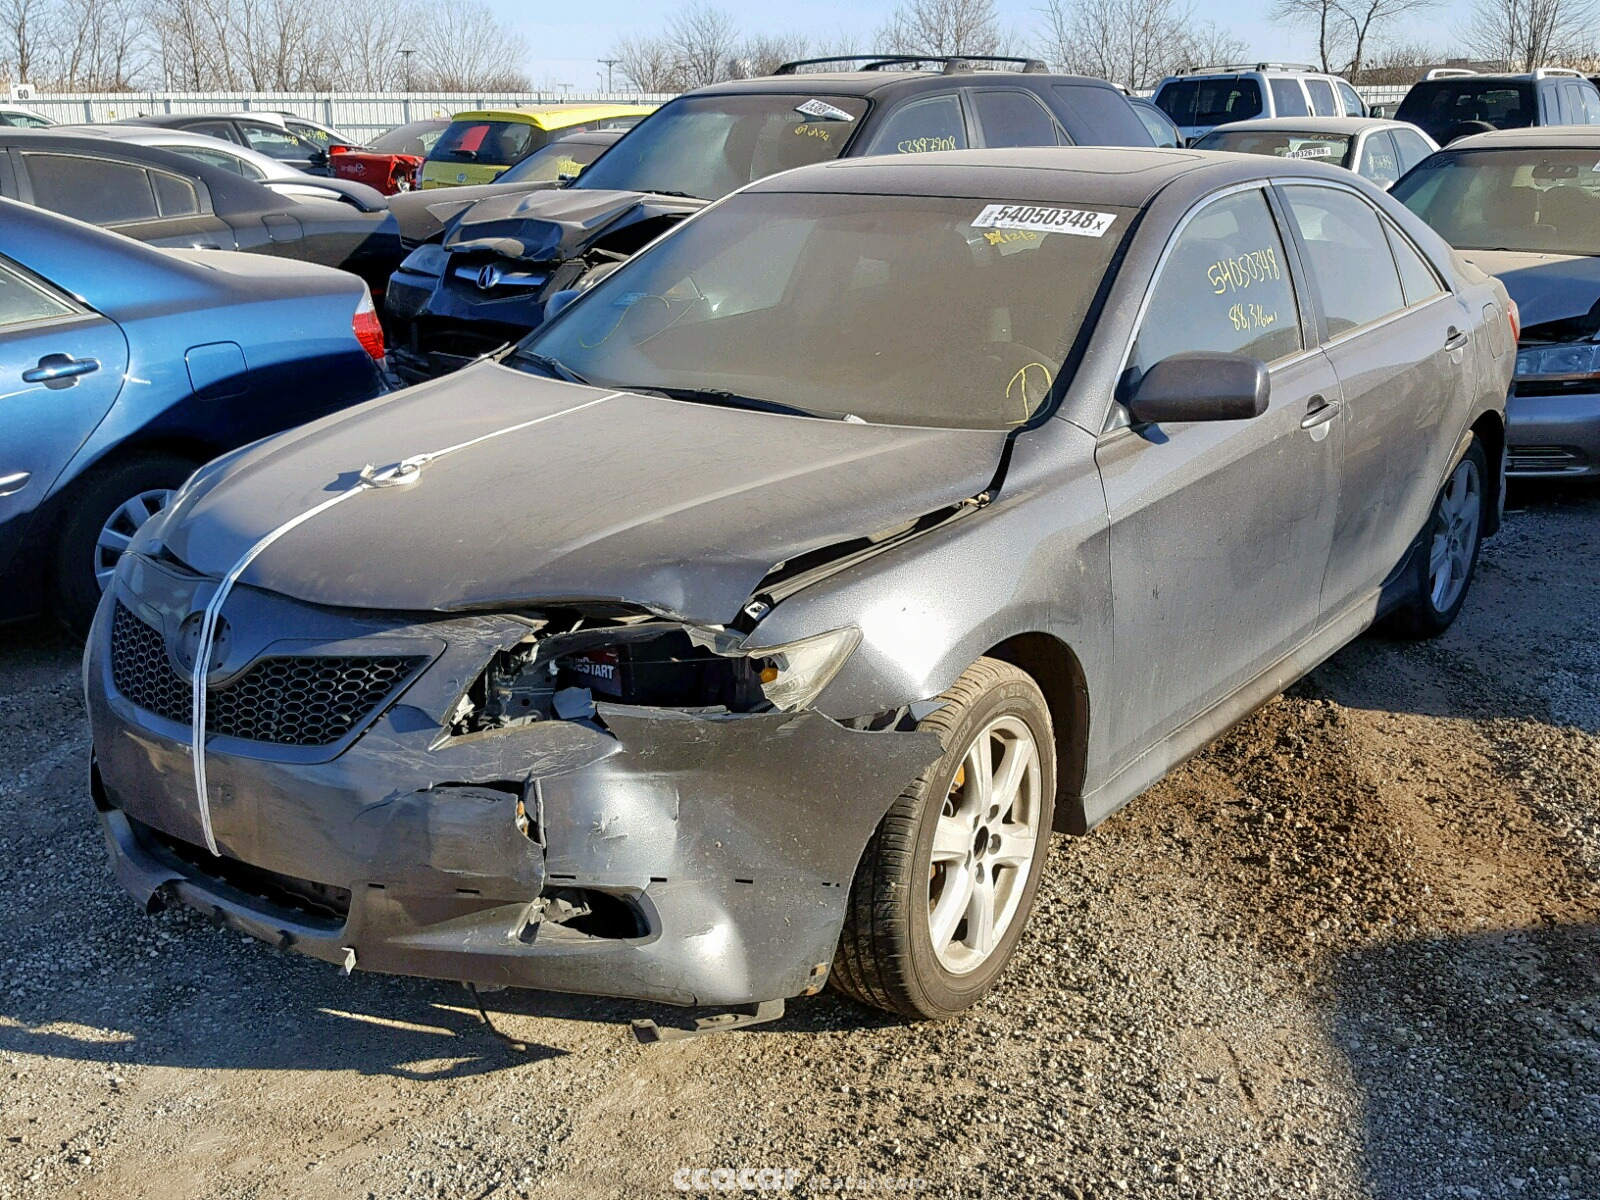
<point>1353,950</point>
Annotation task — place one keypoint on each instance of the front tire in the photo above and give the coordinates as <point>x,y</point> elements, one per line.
<point>102,518</point>
<point>945,886</point>
<point>1448,555</point>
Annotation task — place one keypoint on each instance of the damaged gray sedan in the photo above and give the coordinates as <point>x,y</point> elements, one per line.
<point>754,623</point>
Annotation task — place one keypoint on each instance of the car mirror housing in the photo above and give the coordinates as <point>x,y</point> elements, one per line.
<point>1201,385</point>
<point>558,301</point>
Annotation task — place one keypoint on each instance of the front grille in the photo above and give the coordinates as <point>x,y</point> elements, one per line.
<point>1544,458</point>
<point>295,700</point>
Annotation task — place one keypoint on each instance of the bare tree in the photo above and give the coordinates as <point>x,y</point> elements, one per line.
<point>1326,19</point>
<point>943,27</point>
<point>646,62</point>
<point>1132,42</point>
<point>704,41</point>
<point>1347,29</point>
<point>21,20</point>
<point>1525,34</point>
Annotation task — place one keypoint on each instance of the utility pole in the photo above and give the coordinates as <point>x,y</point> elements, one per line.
<point>405,57</point>
<point>608,63</point>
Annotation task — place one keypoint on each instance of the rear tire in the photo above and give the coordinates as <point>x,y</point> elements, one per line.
<point>107,507</point>
<point>1447,556</point>
<point>952,849</point>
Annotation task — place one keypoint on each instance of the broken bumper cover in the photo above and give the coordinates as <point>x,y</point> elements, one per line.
<point>730,841</point>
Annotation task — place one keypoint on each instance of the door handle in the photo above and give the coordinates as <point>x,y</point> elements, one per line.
<point>13,483</point>
<point>59,366</point>
<point>1319,411</point>
<point>1454,339</point>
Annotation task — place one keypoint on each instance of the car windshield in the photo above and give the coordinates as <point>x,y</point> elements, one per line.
<point>1544,201</point>
<point>564,158</point>
<point>1210,101</point>
<point>900,310</point>
<point>706,146</point>
<point>1438,104</point>
<point>415,138</point>
<point>1331,147</point>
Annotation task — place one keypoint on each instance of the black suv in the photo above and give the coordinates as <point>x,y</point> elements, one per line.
<point>485,278</point>
<point>1457,106</point>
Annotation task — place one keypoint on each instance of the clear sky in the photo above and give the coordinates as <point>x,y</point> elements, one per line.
<point>567,37</point>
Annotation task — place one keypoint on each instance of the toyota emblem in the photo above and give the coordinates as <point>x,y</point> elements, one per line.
<point>187,644</point>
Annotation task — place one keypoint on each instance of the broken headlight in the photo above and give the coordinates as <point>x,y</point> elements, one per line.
<point>566,675</point>
<point>1570,361</point>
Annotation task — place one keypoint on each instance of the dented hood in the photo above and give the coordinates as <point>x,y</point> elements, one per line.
<point>674,506</point>
<point>1546,287</point>
<point>554,225</point>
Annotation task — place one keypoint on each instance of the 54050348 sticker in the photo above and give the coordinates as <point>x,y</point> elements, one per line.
<point>1042,218</point>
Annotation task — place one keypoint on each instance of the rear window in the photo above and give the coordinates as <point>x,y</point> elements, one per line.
<point>564,158</point>
<point>1326,147</point>
<point>1436,105</point>
<point>1210,101</point>
<point>1097,115</point>
<point>491,143</point>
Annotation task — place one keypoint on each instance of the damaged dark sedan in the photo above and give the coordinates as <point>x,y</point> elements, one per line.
<point>753,624</point>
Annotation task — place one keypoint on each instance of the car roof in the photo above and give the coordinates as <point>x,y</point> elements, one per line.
<point>1552,137</point>
<point>1343,126</point>
<point>1127,177</point>
<point>870,83</point>
<point>556,116</point>
<point>271,118</point>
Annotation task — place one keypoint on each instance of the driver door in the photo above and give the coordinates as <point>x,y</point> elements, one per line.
<point>1220,530</point>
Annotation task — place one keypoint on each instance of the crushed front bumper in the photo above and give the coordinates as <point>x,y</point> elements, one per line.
<point>1554,435</point>
<point>719,849</point>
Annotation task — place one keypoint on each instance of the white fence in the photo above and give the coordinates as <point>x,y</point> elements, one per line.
<point>360,114</point>
<point>367,114</point>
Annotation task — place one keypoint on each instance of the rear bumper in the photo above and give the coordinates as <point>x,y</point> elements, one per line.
<point>1553,436</point>
<point>716,853</point>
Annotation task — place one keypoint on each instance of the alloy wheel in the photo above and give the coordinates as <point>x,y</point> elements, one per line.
<point>1455,535</point>
<point>983,847</point>
<point>115,535</point>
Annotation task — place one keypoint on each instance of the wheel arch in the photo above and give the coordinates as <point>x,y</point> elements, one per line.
<point>1490,429</point>
<point>1053,665</point>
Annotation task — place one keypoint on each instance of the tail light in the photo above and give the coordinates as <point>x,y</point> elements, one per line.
<point>366,327</point>
<point>1515,316</point>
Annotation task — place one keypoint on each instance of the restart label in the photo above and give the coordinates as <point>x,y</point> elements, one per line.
<point>1041,218</point>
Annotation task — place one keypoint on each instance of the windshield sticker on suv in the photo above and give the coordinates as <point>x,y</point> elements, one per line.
<point>820,108</point>
<point>1044,219</point>
<point>1311,152</point>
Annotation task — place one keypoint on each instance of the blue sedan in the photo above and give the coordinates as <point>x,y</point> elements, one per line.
<point>124,367</point>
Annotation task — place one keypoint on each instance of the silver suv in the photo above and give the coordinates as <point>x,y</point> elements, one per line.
<point>1201,98</point>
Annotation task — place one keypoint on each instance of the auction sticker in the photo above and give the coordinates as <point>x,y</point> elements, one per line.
<point>1311,152</point>
<point>821,108</point>
<point>1041,218</point>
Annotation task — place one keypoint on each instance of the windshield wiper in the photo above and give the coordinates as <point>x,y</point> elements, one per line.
<point>729,399</point>
<point>680,195</point>
<point>553,365</point>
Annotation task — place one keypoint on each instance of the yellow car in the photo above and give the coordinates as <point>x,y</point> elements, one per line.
<point>479,145</point>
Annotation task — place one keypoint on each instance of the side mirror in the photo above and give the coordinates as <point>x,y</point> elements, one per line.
<point>318,158</point>
<point>557,301</point>
<point>1200,385</point>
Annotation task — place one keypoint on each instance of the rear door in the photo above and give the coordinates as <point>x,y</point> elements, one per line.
<point>61,367</point>
<point>1399,341</point>
<point>1220,530</point>
<point>145,203</point>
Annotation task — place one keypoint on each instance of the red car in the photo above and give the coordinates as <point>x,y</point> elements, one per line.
<point>391,162</point>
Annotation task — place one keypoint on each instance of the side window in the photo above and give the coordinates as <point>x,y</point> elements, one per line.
<point>1322,102</point>
<point>1411,147</point>
<point>217,158</point>
<point>1287,98</point>
<point>1349,256</point>
<point>216,129</point>
<point>1378,160</point>
<point>279,143</point>
<point>921,126</point>
<point>1096,114</point>
<point>1352,102</point>
<point>1224,286</point>
<point>1417,278</point>
<point>1013,118</point>
<point>98,190</point>
<point>175,196</point>
<point>23,301</point>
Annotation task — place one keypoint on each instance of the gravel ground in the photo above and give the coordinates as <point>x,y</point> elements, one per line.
<point>1352,950</point>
